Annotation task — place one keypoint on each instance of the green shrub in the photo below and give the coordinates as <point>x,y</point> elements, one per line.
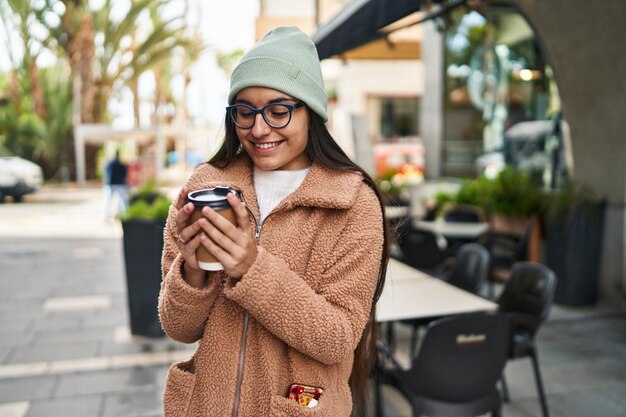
<point>476,192</point>
<point>560,203</point>
<point>142,209</point>
<point>147,203</point>
<point>515,194</point>
<point>511,193</point>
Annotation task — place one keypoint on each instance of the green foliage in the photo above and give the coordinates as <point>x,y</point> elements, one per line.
<point>142,209</point>
<point>36,105</point>
<point>514,194</point>
<point>46,139</point>
<point>559,203</point>
<point>476,192</point>
<point>443,200</point>
<point>147,203</point>
<point>147,189</point>
<point>511,193</point>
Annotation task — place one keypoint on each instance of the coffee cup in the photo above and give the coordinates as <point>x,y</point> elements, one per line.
<point>216,199</point>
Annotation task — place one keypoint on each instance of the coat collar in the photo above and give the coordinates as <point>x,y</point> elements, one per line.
<point>322,187</point>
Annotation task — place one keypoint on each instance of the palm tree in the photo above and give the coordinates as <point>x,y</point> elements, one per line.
<point>103,56</point>
<point>14,14</point>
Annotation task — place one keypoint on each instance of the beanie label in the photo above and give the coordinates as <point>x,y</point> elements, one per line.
<point>293,71</point>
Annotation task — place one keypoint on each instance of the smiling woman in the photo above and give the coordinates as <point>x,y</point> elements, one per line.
<point>304,264</point>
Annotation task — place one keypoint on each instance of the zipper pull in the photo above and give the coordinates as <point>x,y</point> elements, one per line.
<point>258,232</point>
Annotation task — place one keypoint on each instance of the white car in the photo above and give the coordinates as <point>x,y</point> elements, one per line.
<point>18,177</point>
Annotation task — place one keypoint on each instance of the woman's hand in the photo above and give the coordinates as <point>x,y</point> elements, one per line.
<point>233,246</point>
<point>188,241</point>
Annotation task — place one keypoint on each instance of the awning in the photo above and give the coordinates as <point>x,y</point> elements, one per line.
<point>360,22</point>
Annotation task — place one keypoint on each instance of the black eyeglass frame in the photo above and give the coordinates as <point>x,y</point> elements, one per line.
<point>290,107</point>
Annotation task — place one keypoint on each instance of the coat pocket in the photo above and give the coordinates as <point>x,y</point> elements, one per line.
<point>178,388</point>
<point>284,407</point>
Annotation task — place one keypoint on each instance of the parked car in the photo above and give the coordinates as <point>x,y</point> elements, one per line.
<point>18,177</point>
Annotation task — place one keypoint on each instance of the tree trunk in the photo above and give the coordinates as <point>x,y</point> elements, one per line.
<point>81,51</point>
<point>134,89</point>
<point>39,103</point>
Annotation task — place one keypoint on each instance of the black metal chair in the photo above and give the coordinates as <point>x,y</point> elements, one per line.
<point>421,249</point>
<point>527,298</point>
<point>456,370</point>
<point>470,269</point>
<point>465,214</point>
<point>505,249</point>
<point>468,272</point>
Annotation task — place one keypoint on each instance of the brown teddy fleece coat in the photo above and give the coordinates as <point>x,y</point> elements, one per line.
<point>296,316</point>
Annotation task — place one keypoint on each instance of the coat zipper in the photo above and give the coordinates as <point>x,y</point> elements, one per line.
<point>246,319</point>
<point>241,361</point>
<point>244,337</point>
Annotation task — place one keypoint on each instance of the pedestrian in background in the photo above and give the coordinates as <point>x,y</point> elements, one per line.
<point>115,186</point>
<point>289,323</point>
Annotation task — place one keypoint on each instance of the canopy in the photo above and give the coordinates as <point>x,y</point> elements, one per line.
<point>360,22</point>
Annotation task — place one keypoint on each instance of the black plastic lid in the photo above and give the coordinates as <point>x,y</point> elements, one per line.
<point>218,203</point>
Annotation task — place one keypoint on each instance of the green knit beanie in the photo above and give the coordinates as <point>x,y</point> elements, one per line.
<point>286,60</point>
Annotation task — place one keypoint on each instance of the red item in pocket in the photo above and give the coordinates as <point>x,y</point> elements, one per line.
<point>305,394</point>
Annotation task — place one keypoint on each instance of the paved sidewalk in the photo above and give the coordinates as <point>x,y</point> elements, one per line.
<point>65,345</point>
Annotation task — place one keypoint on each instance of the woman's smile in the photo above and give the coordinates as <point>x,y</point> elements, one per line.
<point>265,147</point>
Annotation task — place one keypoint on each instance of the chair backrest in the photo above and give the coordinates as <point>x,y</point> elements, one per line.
<point>470,268</point>
<point>528,293</point>
<point>461,358</point>
<point>521,250</point>
<point>420,247</point>
<point>506,248</point>
<point>464,214</point>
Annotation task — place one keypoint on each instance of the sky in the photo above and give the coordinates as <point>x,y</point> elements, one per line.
<point>225,26</point>
<point>228,26</point>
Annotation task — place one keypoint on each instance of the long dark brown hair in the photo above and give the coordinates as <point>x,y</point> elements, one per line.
<point>322,148</point>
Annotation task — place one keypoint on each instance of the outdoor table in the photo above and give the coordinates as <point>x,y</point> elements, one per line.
<point>411,294</point>
<point>454,230</point>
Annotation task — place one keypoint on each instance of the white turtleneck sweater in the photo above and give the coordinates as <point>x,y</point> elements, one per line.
<point>273,186</point>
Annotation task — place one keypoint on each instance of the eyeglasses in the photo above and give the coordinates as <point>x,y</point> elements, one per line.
<point>275,115</point>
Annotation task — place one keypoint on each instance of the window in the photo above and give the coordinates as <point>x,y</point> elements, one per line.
<point>394,118</point>
<point>500,100</point>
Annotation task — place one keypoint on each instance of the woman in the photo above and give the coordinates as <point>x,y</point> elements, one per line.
<point>302,268</point>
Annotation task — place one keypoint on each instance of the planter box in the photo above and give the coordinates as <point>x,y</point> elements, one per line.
<point>143,245</point>
<point>573,247</point>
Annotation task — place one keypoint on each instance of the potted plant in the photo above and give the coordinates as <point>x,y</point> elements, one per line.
<point>511,197</point>
<point>142,224</point>
<point>574,222</point>
<point>514,200</point>
<point>511,200</point>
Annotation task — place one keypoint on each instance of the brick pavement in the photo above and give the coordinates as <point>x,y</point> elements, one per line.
<point>65,346</point>
<point>76,359</point>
